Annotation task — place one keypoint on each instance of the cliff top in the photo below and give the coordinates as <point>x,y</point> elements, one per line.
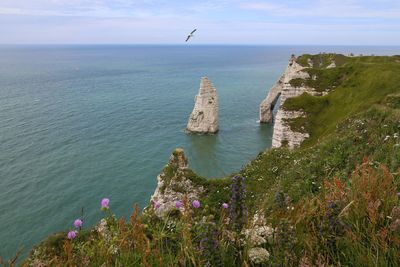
<point>332,202</point>
<point>206,87</point>
<point>354,85</point>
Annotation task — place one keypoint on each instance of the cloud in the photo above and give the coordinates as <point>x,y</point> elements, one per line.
<point>262,6</point>
<point>218,21</point>
<point>109,8</point>
<point>11,11</point>
<point>328,9</point>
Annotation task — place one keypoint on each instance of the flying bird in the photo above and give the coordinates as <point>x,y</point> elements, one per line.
<point>190,35</point>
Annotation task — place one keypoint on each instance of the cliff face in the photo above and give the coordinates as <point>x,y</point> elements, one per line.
<point>204,117</point>
<point>173,184</point>
<point>283,134</point>
<point>282,89</point>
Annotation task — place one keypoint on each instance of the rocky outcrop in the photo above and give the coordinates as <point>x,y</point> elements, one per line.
<point>332,65</point>
<point>282,89</point>
<point>173,184</point>
<point>283,134</point>
<point>204,117</point>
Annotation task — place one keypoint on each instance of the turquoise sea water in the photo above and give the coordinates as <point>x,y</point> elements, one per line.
<point>78,123</point>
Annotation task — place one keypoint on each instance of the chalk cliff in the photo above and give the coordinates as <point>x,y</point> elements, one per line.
<point>204,117</point>
<point>282,89</point>
<point>283,134</point>
<point>174,184</point>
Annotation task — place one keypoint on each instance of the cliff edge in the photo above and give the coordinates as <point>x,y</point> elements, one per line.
<point>289,86</point>
<point>174,183</point>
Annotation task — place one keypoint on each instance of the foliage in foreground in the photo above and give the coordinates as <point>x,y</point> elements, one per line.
<point>357,224</point>
<point>335,203</point>
<point>332,202</point>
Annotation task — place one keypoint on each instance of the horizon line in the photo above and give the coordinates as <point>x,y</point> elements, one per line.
<point>188,45</point>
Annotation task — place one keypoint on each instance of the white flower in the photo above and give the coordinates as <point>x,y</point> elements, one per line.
<point>258,255</point>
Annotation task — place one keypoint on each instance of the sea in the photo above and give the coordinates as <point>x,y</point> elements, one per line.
<point>83,122</point>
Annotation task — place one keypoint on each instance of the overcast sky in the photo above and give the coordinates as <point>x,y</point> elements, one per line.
<point>349,22</point>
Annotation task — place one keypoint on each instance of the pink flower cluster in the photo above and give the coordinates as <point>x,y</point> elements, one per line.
<point>105,202</point>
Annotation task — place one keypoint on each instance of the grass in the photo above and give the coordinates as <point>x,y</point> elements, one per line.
<point>321,61</point>
<point>363,81</point>
<point>331,202</point>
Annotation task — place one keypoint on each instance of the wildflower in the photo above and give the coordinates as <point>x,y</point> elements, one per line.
<point>196,204</point>
<point>225,205</point>
<point>258,255</point>
<point>157,205</point>
<point>71,235</point>
<point>398,194</point>
<point>238,209</point>
<point>178,204</point>
<point>102,227</point>
<point>78,223</point>
<point>104,204</point>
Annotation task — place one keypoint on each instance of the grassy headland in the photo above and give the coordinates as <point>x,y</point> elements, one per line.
<point>332,201</point>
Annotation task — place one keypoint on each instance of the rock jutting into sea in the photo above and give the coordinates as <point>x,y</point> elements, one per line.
<point>283,134</point>
<point>204,117</point>
<point>174,184</point>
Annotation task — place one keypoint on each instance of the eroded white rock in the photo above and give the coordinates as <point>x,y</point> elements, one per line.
<point>283,134</point>
<point>282,88</point>
<point>173,185</point>
<point>204,117</point>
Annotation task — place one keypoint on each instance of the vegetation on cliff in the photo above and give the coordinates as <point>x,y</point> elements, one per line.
<point>333,201</point>
<point>354,86</point>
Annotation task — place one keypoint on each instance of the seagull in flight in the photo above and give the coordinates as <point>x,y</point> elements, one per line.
<point>190,35</point>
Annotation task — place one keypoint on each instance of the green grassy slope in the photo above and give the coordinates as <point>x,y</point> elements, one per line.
<point>330,202</point>
<point>358,83</point>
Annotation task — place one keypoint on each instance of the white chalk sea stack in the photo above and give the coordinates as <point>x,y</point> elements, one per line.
<point>204,117</point>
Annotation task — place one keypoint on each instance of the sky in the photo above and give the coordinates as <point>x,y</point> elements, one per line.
<point>283,22</point>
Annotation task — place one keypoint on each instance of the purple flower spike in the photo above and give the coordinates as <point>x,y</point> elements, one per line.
<point>78,223</point>
<point>196,204</point>
<point>71,235</point>
<point>157,205</point>
<point>178,204</point>
<point>225,205</point>
<point>398,194</point>
<point>104,204</point>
